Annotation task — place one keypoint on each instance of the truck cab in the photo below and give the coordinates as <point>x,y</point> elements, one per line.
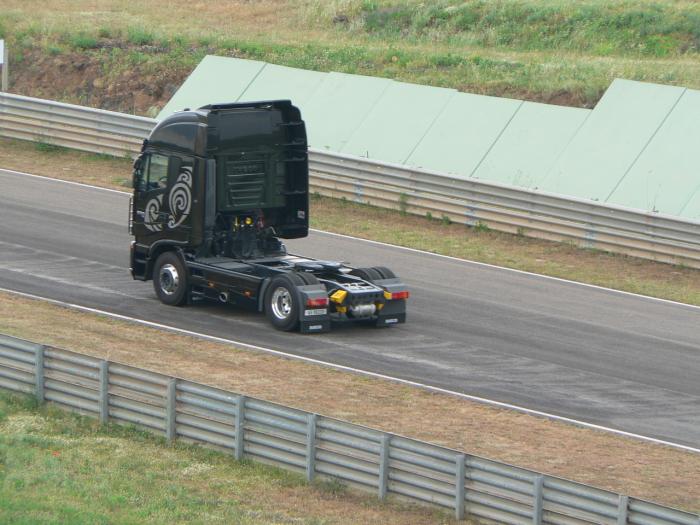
<point>216,190</point>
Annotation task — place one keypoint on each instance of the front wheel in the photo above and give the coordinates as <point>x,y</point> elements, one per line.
<point>282,302</point>
<point>170,279</point>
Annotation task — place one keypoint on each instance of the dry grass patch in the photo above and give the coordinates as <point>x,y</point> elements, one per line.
<point>172,17</point>
<point>644,470</point>
<point>61,163</point>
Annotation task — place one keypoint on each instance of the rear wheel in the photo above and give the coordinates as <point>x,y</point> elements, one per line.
<point>170,279</point>
<point>282,301</point>
<point>307,277</point>
<point>367,274</point>
<point>385,272</point>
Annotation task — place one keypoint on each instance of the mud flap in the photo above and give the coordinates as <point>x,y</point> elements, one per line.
<point>313,319</point>
<point>394,311</point>
<point>315,327</point>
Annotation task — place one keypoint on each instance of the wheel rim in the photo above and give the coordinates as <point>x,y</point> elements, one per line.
<point>281,303</point>
<point>169,279</point>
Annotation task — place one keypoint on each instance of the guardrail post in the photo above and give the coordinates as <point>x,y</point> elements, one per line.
<point>104,391</point>
<point>39,373</point>
<point>622,507</point>
<point>240,423</point>
<point>311,448</point>
<point>4,78</point>
<point>460,480</point>
<point>538,485</point>
<point>170,409</point>
<point>384,444</point>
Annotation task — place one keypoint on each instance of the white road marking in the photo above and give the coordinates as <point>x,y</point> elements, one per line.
<point>429,388</point>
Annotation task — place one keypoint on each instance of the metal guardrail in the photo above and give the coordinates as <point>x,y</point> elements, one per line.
<point>470,202</point>
<point>315,445</point>
<point>72,126</point>
<point>509,209</point>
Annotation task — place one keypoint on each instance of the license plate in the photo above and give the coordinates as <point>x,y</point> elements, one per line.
<point>391,321</point>
<point>318,311</point>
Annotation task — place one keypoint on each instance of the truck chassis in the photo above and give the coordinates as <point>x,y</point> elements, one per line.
<point>294,292</point>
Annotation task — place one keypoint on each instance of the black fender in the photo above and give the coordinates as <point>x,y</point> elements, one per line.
<point>261,293</point>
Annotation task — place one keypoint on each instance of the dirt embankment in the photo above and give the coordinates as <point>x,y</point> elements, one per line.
<point>140,79</point>
<point>97,78</point>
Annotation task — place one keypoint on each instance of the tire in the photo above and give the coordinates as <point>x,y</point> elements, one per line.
<point>282,301</point>
<point>170,279</point>
<point>307,277</point>
<point>385,272</point>
<point>367,274</point>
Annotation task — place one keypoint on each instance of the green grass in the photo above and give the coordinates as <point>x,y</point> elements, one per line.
<point>82,41</point>
<point>140,36</point>
<point>603,28</point>
<point>47,147</point>
<point>58,467</point>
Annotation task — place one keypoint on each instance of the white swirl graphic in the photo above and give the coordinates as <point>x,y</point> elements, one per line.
<point>151,213</point>
<point>180,199</point>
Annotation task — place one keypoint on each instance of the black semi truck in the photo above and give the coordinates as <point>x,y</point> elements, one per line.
<point>215,190</point>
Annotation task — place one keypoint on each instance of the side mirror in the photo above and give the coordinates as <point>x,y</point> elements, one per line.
<point>137,179</point>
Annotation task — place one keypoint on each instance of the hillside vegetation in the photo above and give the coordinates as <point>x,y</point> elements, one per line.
<point>120,55</point>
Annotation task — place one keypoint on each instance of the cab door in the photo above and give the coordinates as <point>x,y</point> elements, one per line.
<point>149,209</point>
<point>163,198</point>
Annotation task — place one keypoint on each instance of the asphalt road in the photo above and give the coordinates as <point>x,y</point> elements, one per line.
<point>626,362</point>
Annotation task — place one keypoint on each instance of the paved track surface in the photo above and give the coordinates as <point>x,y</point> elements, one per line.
<point>617,360</point>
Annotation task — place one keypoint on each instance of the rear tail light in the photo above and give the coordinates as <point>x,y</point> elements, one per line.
<point>397,295</point>
<point>319,301</point>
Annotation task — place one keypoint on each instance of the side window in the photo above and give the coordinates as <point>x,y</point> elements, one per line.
<point>156,172</point>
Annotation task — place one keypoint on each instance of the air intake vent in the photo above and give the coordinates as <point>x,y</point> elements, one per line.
<point>245,183</point>
<point>249,181</point>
